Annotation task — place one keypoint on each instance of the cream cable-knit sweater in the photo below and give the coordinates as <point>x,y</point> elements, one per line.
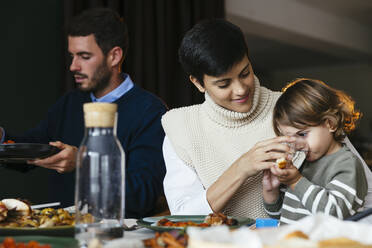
<point>210,138</point>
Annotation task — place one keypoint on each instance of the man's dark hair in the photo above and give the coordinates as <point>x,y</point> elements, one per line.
<point>212,47</point>
<point>108,28</point>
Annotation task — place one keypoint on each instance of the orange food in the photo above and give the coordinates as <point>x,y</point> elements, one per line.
<point>281,162</point>
<point>10,243</point>
<point>167,240</point>
<point>8,142</point>
<point>216,219</point>
<point>212,219</point>
<point>166,222</point>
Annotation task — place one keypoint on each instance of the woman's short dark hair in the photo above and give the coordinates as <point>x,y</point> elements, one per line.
<point>108,28</point>
<point>309,102</point>
<point>212,47</point>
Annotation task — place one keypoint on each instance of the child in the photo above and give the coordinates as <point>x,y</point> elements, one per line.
<point>332,178</point>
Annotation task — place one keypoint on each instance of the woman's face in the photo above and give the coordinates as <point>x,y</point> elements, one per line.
<point>233,90</point>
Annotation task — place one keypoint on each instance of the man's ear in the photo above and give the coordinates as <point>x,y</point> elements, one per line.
<point>197,83</point>
<point>115,56</point>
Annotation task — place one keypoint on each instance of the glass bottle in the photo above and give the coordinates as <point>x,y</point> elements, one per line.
<point>99,194</point>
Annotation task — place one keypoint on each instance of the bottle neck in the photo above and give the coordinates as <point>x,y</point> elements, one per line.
<point>100,131</point>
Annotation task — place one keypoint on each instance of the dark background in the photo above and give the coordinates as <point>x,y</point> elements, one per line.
<point>34,63</point>
<point>31,76</point>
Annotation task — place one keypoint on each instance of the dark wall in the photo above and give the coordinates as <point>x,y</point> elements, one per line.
<point>30,68</point>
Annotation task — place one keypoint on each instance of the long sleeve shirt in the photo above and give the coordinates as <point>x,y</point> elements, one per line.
<point>335,185</point>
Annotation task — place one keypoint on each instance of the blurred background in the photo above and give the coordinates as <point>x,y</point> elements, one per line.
<point>328,40</point>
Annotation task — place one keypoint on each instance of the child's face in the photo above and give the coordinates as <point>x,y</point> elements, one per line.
<point>319,139</point>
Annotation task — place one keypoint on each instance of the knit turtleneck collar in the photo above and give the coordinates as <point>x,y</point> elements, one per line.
<point>233,119</point>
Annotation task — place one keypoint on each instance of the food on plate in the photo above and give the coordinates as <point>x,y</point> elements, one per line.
<point>216,219</point>
<point>17,207</point>
<point>18,213</point>
<point>173,238</point>
<point>169,223</point>
<point>8,142</point>
<point>11,243</point>
<point>3,211</point>
<point>213,219</point>
<point>281,162</point>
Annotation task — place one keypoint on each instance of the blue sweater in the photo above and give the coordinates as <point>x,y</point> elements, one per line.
<point>139,131</point>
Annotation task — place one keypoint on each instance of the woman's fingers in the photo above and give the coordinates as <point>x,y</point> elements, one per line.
<point>279,139</point>
<point>264,155</point>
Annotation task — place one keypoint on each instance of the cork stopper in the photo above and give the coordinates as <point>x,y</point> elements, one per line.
<point>100,114</point>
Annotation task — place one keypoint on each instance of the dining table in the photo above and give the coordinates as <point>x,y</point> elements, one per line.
<point>318,225</point>
<point>133,236</point>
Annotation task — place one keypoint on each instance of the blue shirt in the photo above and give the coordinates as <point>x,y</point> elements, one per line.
<point>123,88</point>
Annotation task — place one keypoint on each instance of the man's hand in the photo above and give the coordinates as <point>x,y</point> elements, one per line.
<point>64,161</point>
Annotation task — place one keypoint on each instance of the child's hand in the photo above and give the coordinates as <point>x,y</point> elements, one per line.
<point>270,185</point>
<point>269,181</point>
<point>288,176</point>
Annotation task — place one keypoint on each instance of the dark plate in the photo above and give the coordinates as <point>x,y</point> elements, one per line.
<point>150,222</point>
<point>60,231</point>
<point>21,152</point>
<point>55,242</point>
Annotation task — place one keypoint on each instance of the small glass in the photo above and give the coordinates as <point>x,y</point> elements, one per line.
<point>300,148</point>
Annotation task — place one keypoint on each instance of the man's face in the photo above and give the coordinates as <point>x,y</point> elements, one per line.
<point>88,65</point>
<point>233,90</point>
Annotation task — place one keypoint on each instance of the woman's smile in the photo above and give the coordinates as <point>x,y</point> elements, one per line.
<point>242,100</point>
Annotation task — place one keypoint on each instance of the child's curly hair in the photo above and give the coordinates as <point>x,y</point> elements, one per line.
<point>310,102</point>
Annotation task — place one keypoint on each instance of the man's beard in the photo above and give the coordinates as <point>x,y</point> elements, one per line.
<point>100,79</point>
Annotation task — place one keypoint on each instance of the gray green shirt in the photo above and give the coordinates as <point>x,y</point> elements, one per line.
<point>335,185</point>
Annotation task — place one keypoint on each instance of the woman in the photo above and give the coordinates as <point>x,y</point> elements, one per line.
<point>215,151</point>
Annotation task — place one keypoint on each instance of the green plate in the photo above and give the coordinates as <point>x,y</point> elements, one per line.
<point>150,222</point>
<point>60,231</point>
<point>55,242</point>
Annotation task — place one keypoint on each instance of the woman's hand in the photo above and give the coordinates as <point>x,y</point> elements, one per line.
<point>263,155</point>
<point>64,161</point>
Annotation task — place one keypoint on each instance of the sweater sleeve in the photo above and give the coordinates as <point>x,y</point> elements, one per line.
<point>342,195</point>
<point>273,209</point>
<point>145,168</point>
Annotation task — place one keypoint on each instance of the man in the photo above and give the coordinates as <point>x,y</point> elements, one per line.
<point>97,43</point>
